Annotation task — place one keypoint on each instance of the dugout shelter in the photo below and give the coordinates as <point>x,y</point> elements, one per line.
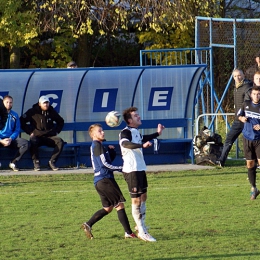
<point>83,96</point>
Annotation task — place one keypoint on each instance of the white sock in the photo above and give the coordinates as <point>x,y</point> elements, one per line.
<point>138,218</point>
<point>143,213</point>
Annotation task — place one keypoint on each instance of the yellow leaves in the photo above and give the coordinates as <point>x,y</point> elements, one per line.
<point>156,27</point>
<point>123,26</point>
<point>89,27</point>
<point>29,36</point>
<point>58,29</point>
<point>61,19</point>
<point>79,17</point>
<point>17,27</point>
<point>44,6</point>
<point>149,14</point>
<point>101,32</point>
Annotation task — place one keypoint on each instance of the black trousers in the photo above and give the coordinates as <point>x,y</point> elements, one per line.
<point>232,135</point>
<point>53,141</point>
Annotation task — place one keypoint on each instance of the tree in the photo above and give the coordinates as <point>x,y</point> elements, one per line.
<point>17,27</point>
<point>177,26</point>
<point>88,21</point>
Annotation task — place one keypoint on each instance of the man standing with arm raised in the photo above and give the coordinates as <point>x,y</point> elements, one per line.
<point>134,167</point>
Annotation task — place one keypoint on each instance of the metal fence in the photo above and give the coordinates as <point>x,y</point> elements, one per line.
<point>222,123</point>
<point>234,44</point>
<point>223,44</point>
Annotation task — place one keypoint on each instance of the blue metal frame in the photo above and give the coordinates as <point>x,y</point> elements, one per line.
<point>183,52</point>
<point>209,72</point>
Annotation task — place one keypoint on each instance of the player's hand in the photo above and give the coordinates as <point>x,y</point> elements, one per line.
<point>160,128</point>
<point>243,119</point>
<point>6,141</point>
<point>256,127</point>
<point>147,144</point>
<point>111,146</point>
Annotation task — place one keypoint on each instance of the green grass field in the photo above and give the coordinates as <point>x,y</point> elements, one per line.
<point>204,214</point>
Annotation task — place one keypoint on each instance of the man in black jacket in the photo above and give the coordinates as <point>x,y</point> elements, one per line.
<point>242,92</point>
<point>3,118</point>
<point>43,124</point>
<point>3,114</point>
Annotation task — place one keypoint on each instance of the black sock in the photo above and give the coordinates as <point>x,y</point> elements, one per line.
<point>252,176</point>
<point>97,216</point>
<point>124,221</point>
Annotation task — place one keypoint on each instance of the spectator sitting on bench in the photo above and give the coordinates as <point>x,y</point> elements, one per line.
<point>10,132</point>
<point>43,124</point>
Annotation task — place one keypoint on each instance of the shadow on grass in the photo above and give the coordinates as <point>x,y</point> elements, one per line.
<point>244,255</point>
<point>24,179</point>
<point>202,173</point>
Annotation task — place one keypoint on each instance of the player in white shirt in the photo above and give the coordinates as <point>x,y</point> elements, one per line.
<point>134,167</point>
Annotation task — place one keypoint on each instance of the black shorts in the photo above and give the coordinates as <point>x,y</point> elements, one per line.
<point>251,149</point>
<point>109,192</point>
<point>137,183</point>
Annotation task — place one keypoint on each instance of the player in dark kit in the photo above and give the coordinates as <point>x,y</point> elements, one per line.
<point>249,114</point>
<point>105,184</point>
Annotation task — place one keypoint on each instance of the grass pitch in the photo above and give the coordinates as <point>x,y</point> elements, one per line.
<point>204,214</point>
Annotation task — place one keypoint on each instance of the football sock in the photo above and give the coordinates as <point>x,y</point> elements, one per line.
<point>97,216</point>
<point>138,218</point>
<point>124,221</point>
<point>143,211</point>
<point>252,176</point>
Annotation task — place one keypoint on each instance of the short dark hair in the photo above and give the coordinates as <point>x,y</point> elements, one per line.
<point>7,96</point>
<point>72,64</point>
<point>257,72</point>
<point>257,88</point>
<point>127,113</point>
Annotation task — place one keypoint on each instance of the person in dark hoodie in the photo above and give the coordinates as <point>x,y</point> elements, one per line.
<point>43,124</point>
<point>3,119</point>
<point>3,114</point>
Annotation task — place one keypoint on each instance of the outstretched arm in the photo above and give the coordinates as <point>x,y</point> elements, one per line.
<point>160,128</point>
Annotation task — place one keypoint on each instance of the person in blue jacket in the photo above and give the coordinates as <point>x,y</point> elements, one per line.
<point>105,183</point>
<point>9,134</point>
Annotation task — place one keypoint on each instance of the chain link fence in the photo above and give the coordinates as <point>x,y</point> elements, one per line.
<point>235,44</point>
<point>223,44</point>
